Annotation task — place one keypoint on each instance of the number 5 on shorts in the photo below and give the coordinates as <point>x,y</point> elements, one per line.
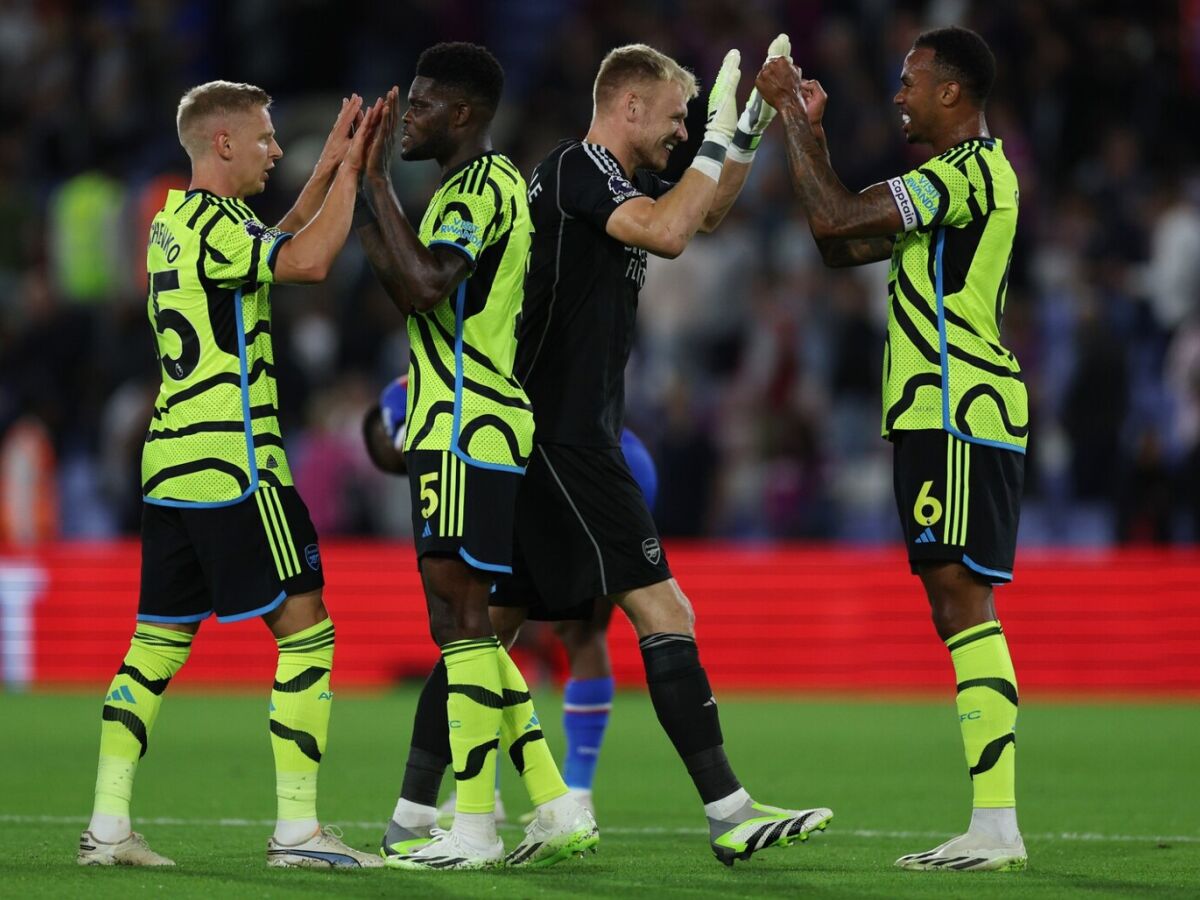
<point>429,495</point>
<point>927,510</point>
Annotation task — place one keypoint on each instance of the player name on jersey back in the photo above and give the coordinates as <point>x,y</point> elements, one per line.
<point>214,434</point>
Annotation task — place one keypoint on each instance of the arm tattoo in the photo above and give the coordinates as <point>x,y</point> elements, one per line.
<point>831,209</point>
<point>819,135</point>
<point>841,252</point>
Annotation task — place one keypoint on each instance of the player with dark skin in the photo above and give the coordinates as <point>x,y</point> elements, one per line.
<point>948,228</point>
<point>855,229</point>
<point>451,104</point>
<point>442,125</point>
<point>585,641</point>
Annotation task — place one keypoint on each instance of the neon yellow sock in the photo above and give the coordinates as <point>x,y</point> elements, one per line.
<point>301,700</point>
<point>523,738</point>
<point>473,707</point>
<point>987,712</point>
<point>130,708</point>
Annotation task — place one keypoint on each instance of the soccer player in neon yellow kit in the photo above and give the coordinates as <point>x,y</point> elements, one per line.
<point>459,281</point>
<point>224,531</point>
<point>954,404</point>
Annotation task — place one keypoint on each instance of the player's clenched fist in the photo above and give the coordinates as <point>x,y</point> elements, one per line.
<point>779,82</point>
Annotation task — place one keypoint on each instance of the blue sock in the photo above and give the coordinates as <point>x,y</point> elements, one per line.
<point>586,705</point>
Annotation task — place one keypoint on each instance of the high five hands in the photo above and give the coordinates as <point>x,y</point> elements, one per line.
<point>780,83</point>
<point>383,142</point>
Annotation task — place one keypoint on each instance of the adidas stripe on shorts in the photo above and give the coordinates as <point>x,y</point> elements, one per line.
<point>462,510</point>
<point>958,501</point>
<point>236,561</point>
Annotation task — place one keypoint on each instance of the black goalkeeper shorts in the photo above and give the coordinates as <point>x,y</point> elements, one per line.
<point>583,531</point>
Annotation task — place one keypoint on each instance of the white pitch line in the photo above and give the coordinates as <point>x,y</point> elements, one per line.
<point>1072,836</point>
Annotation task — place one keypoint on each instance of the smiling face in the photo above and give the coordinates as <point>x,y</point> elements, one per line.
<point>426,124</point>
<point>918,97</point>
<point>659,123</point>
<point>253,150</point>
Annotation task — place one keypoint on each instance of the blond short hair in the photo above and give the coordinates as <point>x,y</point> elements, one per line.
<point>639,64</point>
<point>214,98</point>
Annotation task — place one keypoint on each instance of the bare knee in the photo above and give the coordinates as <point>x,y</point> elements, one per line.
<point>578,635</point>
<point>586,643</point>
<point>658,608</point>
<point>586,635</point>
<point>457,599</point>
<point>507,622</point>
<point>296,613</point>
<point>958,599</point>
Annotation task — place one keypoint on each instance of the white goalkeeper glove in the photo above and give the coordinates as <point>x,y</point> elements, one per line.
<point>758,114</point>
<point>722,118</point>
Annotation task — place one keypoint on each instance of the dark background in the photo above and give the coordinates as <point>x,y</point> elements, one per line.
<point>755,382</point>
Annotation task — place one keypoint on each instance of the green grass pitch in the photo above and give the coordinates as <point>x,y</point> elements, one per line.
<point>1109,797</point>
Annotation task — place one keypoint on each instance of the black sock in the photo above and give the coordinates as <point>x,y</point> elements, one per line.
<point>429,750</point>
<point>687,711</point>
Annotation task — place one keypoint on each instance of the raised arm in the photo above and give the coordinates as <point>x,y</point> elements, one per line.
<point>414,276</point>
<point>307,257</point>
<point>665,226</point>
<point>838,252</point>
<point>754,120</point>
<point>733,179</point>
<point>312,195</point>
<point>375,249</point>
<point>833,212</point>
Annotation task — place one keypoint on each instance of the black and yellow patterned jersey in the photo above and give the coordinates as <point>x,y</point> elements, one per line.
<point>214,435</point>
<point>462,395</point>
<point>944,365</point>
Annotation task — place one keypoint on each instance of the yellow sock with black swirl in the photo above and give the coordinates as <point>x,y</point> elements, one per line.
<point>301,700</point>
<point>130,707</point>
<point>474,709</point>
<point>522,734</point>
<point>987,712</point>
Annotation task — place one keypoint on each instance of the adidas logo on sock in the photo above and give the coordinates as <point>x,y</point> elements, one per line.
<point>271,463</point>
<point>122,695</point>
<point>426,533</point>
<point>926,537</point>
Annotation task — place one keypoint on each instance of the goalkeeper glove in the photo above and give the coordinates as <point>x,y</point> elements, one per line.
<point>722,121</point>
<point>758,114</point>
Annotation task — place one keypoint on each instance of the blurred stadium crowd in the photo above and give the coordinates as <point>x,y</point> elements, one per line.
<point>756,378</point>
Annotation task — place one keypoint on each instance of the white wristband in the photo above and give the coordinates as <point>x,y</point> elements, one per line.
<point>710,158</point>
<point>709,167</point>
<point>740,156</point>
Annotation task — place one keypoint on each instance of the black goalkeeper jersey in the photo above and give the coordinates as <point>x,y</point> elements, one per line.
<point>581,294</point>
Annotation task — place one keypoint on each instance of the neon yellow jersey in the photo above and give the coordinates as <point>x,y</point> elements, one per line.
<point>215,434</point>
<point>462,395</point>
<point>944,366</point>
